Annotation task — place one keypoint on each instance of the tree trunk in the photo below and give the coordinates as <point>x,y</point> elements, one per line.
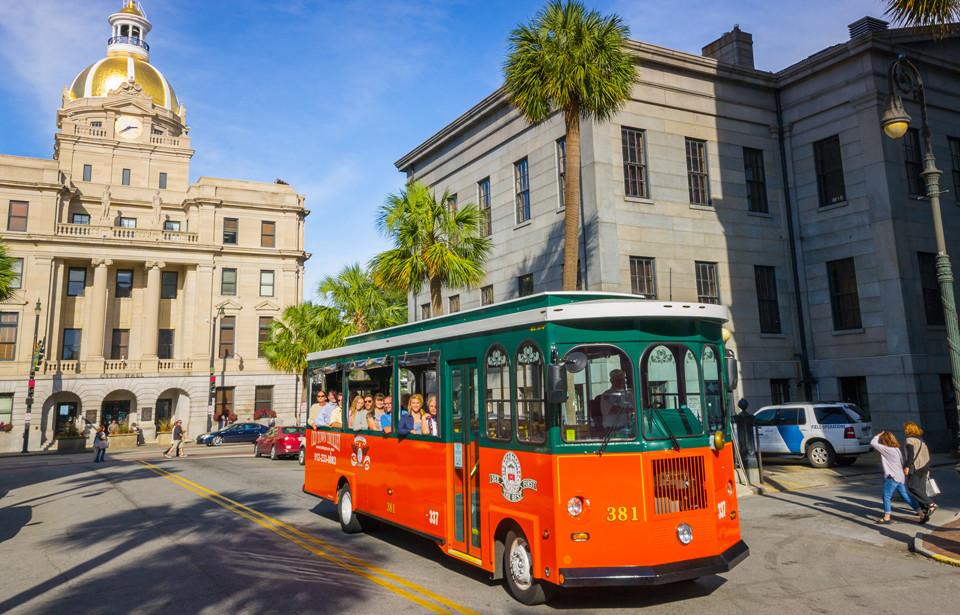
<point>436,300</point>
<point>571,201</point>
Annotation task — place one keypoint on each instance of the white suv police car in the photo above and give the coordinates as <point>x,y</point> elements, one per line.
<point>824,432</point>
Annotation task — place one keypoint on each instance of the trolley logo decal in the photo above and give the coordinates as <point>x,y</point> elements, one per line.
<point>511,479</point>
<point>360,457</point>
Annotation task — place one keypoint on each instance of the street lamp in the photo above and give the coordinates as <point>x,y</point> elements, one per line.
<point>213,375</point>
<point>35,358</point>
<point>905,80</point>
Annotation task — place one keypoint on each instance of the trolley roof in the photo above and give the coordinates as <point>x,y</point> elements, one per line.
<point>536,309</point>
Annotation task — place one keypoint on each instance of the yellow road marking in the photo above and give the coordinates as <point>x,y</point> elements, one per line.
<point>328,551</point>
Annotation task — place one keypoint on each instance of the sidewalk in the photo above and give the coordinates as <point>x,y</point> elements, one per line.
<point>942,543</point>
<point>147,451</point>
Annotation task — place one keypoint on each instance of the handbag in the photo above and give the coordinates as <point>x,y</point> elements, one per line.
<point>931,488</point>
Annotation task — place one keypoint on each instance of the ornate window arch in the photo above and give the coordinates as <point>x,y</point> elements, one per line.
<point>531,405</point>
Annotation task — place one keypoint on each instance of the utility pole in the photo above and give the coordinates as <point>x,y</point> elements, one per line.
<point>35,358</point>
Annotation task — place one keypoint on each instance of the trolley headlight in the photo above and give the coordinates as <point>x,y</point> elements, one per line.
<point>575,506</point>
<point>718,440</point>
<point>684,533</point>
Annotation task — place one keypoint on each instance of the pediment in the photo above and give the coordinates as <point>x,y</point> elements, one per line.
<point>229,306</point>
<point>267,306</point>
<point>129,105</point>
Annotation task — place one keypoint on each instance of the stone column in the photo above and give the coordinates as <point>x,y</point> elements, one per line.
<point>97,312</point>
<point>188,326</point>
<point>151,310</point>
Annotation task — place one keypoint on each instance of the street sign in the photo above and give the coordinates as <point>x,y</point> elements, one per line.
<point>26,418</point>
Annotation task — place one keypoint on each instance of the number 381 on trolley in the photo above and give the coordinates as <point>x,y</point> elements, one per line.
<point>557,440</point>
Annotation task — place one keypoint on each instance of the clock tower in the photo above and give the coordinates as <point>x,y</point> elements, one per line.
<point>122,129</point>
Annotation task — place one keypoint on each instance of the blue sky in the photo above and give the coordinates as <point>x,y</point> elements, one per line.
<point>327,95</point>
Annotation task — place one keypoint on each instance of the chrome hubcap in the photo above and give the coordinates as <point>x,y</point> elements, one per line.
<point>819,455</point>
<point>520,564</point>
<point>346,508</point>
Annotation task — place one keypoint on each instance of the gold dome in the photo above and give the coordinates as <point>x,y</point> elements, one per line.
<point>101,78</point>
<point>131,9</point>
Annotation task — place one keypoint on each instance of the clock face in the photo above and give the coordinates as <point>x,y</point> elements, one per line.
<point>128,127</point>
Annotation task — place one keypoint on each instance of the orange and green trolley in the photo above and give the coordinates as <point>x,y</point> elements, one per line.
<point>582,439</point>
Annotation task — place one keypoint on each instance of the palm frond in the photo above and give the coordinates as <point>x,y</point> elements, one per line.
<point>943,14</point>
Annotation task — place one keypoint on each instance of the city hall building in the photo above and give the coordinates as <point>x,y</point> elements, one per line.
<point>134,276</point>
<point>776,194</point>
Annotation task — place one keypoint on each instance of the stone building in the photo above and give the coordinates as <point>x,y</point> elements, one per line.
<point>135,276</point>
<point>774,193</point>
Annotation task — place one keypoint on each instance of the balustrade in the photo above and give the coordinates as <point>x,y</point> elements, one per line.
<point>121,232</point>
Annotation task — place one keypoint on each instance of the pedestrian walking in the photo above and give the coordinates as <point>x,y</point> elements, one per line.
<point>887,445</point>
<point>176,441</point>
<point>100,444</point>
<point>917,467</point>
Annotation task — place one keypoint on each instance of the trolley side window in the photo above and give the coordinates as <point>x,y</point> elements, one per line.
<point>672,402</point>
<point>601,400</point>
<point>370,380</point>
<point>325,392</point>
<point>713,389</point>
<point>531,422</point>
<point>418,375</point>
<point>499,413</point>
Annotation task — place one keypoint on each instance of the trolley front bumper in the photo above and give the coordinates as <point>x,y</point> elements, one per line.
<point>655,575</point>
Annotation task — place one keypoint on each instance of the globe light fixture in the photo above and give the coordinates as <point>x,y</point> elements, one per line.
<point>895,119</point>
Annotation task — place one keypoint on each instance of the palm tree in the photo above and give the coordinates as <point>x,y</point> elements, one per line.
<point>432,242</point>
<point>7,273</point>
<point>572,60</point>
<point>942,13</point>
<point>361,304</point>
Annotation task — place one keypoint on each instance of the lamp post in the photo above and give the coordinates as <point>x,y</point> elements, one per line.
<point>36,356</point>
<point>905,80</point>
<point>213,375</point>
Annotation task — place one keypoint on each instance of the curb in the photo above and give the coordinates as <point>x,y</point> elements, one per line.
<point>920,547</point>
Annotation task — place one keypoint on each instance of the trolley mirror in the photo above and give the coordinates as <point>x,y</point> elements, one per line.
<point>732,371</point>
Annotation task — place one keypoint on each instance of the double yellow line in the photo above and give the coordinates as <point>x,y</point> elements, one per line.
<point>321,548</point>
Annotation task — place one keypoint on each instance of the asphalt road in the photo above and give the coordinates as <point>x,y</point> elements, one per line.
<point>236,535</point>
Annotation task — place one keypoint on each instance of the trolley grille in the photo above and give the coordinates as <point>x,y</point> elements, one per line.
<point>679,485</point>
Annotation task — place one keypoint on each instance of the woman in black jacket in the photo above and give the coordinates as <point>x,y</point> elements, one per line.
<point>917,467</point>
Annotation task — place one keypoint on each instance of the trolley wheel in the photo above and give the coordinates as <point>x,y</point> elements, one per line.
<point>820,454</point>
<point>518,572</point>
<point>349,521</point>
<point>302,456</point>
<point>273,453</point>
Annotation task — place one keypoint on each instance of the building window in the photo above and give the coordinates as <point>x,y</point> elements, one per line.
<point>263,399</point>
<point>708,286</point>
<point>844,299</point>
<point>171,226</point>
<point>120,344</point>
<point>779,390</point>
<point>127,223</point>
<point>70,350</point>
<point>913,161</point>
<point>165,344</point>
<point>16,267</point>
<point>17,216</point>
<point>698,180</point>
<point>124,287</point>
<point>424,311</point>
<point>829,163</point>
<point>452,203</point>
<point>266,283</point>
<point>753,171</point>
<point>268,234</point>
<point>932,302</point>
<point>125,177</point>
<point>8,335</point>
<point>163,180</point>
<point>6,408</point>
<point>634,146</point>
<point>766,279</point>
<point>87,172</point>
<point>643,276</point>
<point>169,280</point>
<point>454,304</point>
<point>224,402</point>
<point>525,285</point>
<point>228,282</point>
<point>228,326</point>
<point>483,198</point>
<point>521,178</point>
<point>561,169</point>
<point>955,165</point>
<point>853,389</point>
<point>264,333</point>
<point>77,218</point>
<point>76,281</point>
<point>231,230</point>
<point>486,295</point>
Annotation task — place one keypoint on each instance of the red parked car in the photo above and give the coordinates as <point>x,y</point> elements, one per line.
<point>279,442</point>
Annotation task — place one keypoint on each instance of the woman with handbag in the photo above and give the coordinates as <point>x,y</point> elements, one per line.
<point>100,443</point>
<point>894,480</point>
<point>917,468</point>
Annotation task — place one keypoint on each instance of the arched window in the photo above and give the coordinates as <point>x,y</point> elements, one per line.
<point>531,419</point>
<point>712,388</point>
<point>601,400</point>
<point>498,409</point>
<point>671,396</point>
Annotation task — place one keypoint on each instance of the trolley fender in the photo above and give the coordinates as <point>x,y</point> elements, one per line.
<point>350,479</point>
<point>528,524</point>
